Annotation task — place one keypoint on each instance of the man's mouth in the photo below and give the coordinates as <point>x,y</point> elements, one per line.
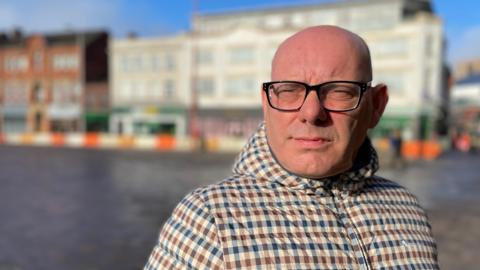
<point>312,142</point>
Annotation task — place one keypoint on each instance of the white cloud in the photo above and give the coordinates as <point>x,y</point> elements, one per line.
<point>465,46</point>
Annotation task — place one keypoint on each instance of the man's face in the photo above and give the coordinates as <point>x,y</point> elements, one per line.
<point>313,142</point>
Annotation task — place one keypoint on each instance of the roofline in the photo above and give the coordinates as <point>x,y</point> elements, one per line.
<point>268,9</point>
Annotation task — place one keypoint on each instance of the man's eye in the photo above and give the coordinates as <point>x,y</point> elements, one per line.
<point>345,91</point>
<point>287,88</point>
<point>342,93</point>
<point>284,91</point>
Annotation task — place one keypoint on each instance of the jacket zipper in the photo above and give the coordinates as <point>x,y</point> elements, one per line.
<point>344,216</point>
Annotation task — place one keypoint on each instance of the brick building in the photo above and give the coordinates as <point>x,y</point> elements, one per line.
<point>53,82</point>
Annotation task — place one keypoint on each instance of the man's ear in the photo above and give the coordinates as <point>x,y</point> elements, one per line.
<point>379,102</point>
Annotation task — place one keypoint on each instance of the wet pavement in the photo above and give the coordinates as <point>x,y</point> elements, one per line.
<point>102,209</point>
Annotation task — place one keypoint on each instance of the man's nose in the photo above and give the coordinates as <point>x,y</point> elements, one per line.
<point>312,110</point>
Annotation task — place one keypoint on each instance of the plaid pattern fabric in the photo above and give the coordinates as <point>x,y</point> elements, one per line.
<point>264,217</point>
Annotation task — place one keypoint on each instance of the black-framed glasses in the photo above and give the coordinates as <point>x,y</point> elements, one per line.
<point>335,96</point>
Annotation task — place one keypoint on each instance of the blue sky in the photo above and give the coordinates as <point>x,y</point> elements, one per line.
<point>152,17</point>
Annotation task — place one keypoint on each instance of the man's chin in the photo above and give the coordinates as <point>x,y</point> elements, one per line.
<point>321,168</point>
<point>319,174</point>
<point>304,169</point>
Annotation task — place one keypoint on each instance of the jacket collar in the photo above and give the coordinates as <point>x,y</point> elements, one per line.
<point>256,160</point>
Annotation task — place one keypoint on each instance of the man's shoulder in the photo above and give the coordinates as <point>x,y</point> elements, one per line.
<point>226,189</point>
<point>379,182</point>
<point>389,190</point>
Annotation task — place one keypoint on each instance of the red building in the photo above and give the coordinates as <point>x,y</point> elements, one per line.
<point>54,82</point>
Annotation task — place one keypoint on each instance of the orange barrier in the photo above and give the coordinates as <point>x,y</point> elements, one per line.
<point>26,138</point>
<point>58,139</point>
<point>165,142</point>
<point>91,140</point>
<point>101,140</point>
<point>411,149</point>
<point>431,150</point>
<point>213,144</point>
<point>126,142</point>
<point>415,149</point>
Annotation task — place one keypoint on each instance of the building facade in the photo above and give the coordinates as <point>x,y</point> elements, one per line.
<point>234,52</point>
<point>150,86</point>
<point>465,105</point>
<point>46,79</point>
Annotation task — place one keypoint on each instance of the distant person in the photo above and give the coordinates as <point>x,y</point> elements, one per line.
<point>396,144</point>
<point>303,194</point>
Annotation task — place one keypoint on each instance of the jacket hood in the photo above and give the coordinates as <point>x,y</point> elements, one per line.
<point>256,160</point>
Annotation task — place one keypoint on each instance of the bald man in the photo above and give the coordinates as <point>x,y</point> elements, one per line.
<point>303,194</point>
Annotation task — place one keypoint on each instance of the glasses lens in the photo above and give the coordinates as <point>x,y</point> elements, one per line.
<point>286,95</point>
<point>340,96</point>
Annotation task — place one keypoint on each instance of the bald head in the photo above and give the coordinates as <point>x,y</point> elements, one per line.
<point>322,51</point>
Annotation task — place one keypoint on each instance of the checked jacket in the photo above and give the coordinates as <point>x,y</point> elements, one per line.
<point>264,217</point>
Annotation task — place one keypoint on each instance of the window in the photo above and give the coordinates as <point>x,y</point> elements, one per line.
<point>395,46</point>
<point>362,19</point>
<point>131,63</point>
<point>135,63</point>
<point>170,61</point>
<point>156,62</point>
<point>241,55</point>
<point>124,64</point>
<point>240,87</point>
<point>14,124</point>
<point>274,22</point>
<point>163,62</point>
<point>297,19</point>
<point>65,62</point>
<point>204,56</point>
<point>322,17</point>
<point>16,63</point>
<point>15,93</point>
<point>169,89</point>
<point>205,87</point>
<point>65,92</point>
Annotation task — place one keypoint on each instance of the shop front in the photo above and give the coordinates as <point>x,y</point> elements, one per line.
<point>149,120</point>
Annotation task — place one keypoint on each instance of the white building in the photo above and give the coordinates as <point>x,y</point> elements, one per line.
<point>235,50</point>
<point>465,104</point>
<point>149,85</point>
<point>227,56</point>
